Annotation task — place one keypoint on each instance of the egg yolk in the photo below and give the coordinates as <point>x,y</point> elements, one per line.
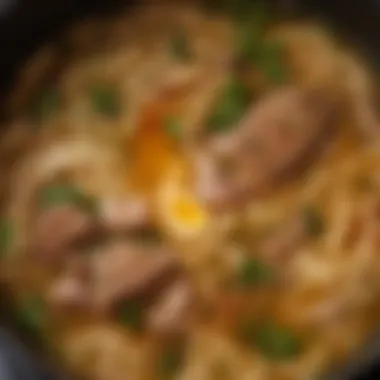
<point>179,210</point>
<point>187,212</point>
<point>161,172</point>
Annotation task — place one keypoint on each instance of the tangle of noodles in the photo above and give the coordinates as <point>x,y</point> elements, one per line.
<point>329,285</point>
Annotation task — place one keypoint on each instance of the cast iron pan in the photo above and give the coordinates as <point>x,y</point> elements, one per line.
<point>26,24</point>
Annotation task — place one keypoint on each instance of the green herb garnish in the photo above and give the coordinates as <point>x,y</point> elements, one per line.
<point>271,62</point>
<point>267,56</point>
<point>313,221</point>
<point>250,30</point>
<point>179,47</point>
<point>230,106</point>
<point>31,315</point>
<point>254,272</point>
<point>65,194</point>
<point>274,341</point>
<point>105,100</point>
<point>249,40</point>
<point>131,315</point>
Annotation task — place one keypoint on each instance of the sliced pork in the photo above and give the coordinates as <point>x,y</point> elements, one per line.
<point>149,276</point>
<point>279,137</point>
<point>58,229</point>
<point>124,270</point>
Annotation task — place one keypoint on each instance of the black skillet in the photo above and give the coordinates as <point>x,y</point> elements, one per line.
<point>26,24</point>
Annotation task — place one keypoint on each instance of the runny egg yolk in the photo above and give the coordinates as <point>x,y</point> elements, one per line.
<point>179,210</point>
<point>187,212</point>
<point>159,170</point>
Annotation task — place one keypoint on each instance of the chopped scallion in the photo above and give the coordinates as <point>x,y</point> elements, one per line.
<point>105,100</point>
<point>65,194</point>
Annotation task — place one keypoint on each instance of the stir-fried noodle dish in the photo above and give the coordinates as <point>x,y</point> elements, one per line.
<point>192,193</point>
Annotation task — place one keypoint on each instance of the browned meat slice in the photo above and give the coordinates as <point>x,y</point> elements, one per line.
<point>148,276</point>
<point>58,228</point>
<point>172,313</point>
<point>124,215</point>
<point>126,271</point>
<point>276,140</point>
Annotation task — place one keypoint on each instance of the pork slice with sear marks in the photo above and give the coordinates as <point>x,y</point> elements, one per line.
<point>130,270</point>
<point>148,277</point>
<point>58,228</point>
<point>278,139</point>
